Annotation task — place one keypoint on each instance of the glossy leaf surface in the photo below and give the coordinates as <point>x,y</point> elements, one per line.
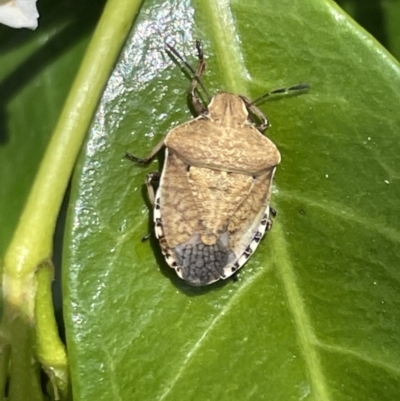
<point>313,315</point>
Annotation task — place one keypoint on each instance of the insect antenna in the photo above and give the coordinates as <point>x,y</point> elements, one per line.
<point>200,69</point>
<point>284,91</point>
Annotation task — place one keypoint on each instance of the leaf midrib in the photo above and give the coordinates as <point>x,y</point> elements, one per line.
<point>305,333</point>
<point>233,69</point>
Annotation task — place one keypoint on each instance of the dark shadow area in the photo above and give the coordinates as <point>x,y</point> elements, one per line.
<point>369,14</point>
<point>58,241</point>
<point>78,18</point>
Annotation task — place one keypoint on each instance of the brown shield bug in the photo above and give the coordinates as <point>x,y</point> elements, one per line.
<point>212,205</point>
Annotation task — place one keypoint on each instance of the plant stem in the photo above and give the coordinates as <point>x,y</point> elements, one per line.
<point>32,243</point>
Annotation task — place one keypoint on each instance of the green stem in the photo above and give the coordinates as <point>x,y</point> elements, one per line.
<point>32,242</point>
<point>50,350</point>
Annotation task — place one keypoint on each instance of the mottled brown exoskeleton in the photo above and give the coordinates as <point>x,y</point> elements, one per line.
<point>211,208</point>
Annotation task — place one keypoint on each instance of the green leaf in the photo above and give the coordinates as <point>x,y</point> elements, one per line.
<point>314,315</point>
<point>381,19</point>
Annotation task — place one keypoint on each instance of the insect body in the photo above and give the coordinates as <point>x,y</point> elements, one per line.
<point>211,208</point>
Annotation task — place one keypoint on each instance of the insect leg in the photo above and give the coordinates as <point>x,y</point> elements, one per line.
<point>149,157</point>
<point>194,97</point>
<point>197,104</point>
<point>235,277</point>
<point>251,106</point>
<point>273,213</point>
<point>150,180</point>
<point>256,112</point>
